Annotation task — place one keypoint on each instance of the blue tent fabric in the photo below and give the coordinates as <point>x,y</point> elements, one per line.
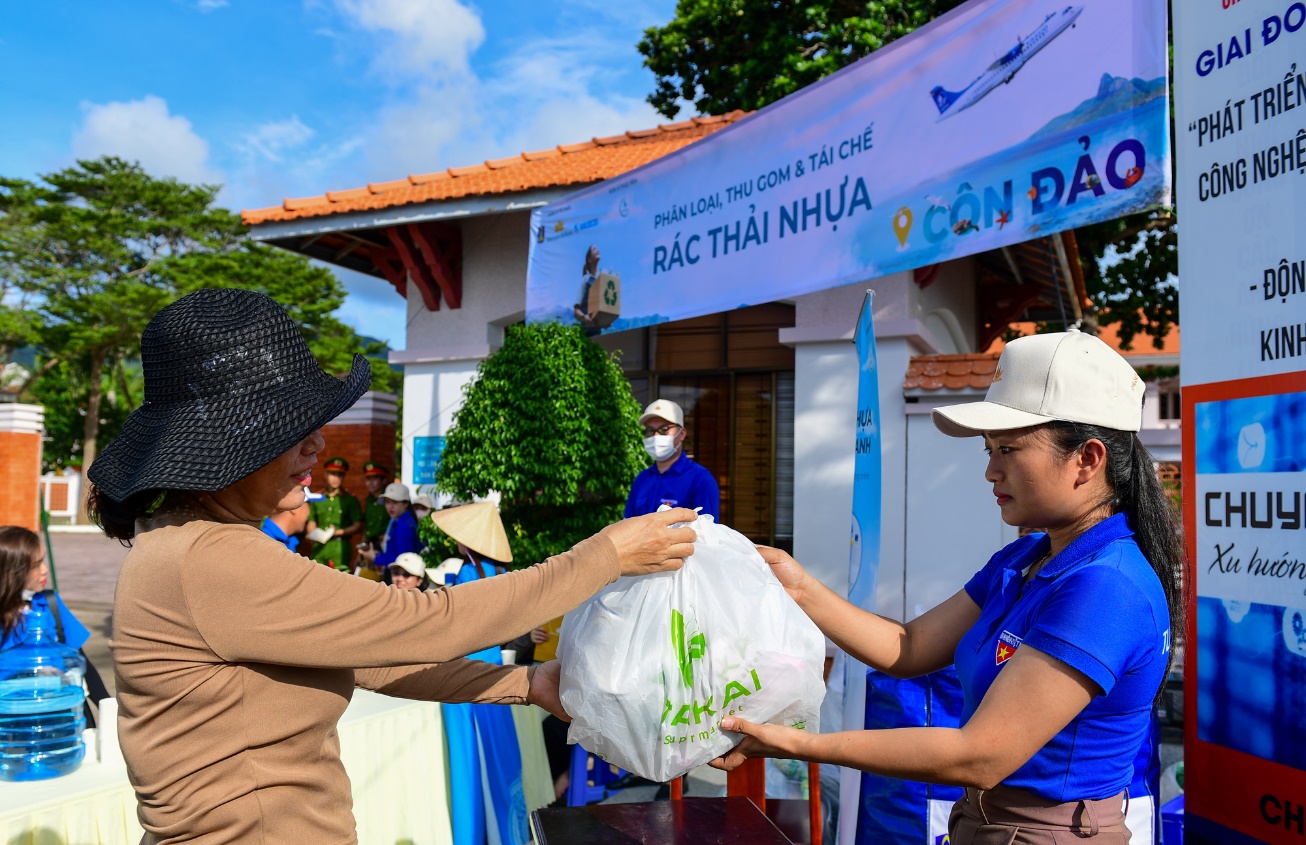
<point>893,810</point>
<point>485,769</point>
<point>467,809</point>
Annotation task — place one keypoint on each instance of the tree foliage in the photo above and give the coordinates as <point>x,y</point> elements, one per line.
<point>549,422</point>
<point>94,250</point>
<point>722,55</point>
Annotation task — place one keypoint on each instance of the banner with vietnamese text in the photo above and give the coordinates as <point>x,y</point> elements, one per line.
<point>1000,122</point>
<point>1240,85</point>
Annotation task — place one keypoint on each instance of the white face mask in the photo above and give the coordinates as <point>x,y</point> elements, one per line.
<point>660,446</point>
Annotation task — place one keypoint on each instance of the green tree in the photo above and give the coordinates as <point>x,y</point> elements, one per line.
<point>722,55</point>
<point>549,422</point>
<point>100,247</point>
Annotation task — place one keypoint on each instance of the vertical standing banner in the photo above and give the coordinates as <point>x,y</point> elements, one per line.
<point>864,556</point>
<point>1240,74</point>
<point>1002,121</point>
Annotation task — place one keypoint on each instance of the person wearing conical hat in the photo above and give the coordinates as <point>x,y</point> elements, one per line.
<point>478,530</point>
<point>337,509</point>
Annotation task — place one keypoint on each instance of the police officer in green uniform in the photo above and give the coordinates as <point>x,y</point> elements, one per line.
<point>375,517</point>
<point>337,509</point>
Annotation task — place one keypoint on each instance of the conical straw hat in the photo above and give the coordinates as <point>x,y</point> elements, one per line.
<point>478,527</point>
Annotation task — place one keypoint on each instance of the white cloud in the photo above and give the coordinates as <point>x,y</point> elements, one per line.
<point>209,5</point>
<point>272,140</point>
<point>143,130</point>
<point>547,92</point>
<point>419,36</point>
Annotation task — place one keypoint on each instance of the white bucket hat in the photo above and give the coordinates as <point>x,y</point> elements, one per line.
<point>1069,376</point>
<point>410,562</point>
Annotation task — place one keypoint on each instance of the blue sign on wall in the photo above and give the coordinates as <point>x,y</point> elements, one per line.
<point>426,458</point>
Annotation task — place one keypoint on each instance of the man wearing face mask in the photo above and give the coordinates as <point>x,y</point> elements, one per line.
<point>673,479</point>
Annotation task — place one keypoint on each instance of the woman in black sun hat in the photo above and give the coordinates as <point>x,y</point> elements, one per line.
<point>236,657</point>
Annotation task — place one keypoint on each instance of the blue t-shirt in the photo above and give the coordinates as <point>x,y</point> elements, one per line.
<point>685,484</point>
<point>400,536</point>
<point>274,531</point>
<point>468,573</point>
<point>74,632</point>
<point>1097,607</point>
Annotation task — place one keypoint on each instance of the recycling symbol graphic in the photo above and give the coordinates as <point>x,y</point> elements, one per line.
<point>610,293</point>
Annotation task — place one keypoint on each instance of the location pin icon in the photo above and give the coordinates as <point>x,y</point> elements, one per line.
<point>902,226</point>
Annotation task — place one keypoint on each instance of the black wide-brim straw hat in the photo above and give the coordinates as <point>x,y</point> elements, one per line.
<point>230,384</point>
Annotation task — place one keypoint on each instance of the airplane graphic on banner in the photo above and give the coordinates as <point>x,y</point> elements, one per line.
<point>1002,70</point>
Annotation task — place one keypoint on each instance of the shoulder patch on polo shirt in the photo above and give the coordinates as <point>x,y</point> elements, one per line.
<point>1007,645</point>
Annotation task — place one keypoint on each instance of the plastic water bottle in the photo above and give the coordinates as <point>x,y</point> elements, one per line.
<point>41,698</point>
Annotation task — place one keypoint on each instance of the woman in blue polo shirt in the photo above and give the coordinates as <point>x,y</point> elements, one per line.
<point>1061,641</point>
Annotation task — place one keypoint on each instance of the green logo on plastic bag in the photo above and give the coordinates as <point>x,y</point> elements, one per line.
<point>687,649</point>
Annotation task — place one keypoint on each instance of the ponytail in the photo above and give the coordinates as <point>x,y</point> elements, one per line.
<point>1137,493</point>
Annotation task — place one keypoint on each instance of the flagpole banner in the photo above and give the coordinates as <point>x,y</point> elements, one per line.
<point>1240,79</point>
<point>864,545</point>
<point>1003,121</point>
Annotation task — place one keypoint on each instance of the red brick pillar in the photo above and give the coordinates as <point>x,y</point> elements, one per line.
<point>21,427</point>
<point>366,432</point>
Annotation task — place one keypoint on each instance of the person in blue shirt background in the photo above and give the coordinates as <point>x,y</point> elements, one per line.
<point>400,534</point>
<point>23,576</point>
<point>673,479</point>
<point>286,526</point>
<point>1061,642</point>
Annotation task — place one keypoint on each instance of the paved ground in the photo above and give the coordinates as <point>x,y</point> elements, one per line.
<point>86,566</point>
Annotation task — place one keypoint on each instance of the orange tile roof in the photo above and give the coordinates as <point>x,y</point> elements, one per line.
<point>974,370</point>
<point>567,164</point>
<point>1110,334</point>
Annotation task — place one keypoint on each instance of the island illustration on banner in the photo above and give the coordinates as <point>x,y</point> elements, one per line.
<point>1000,122</point>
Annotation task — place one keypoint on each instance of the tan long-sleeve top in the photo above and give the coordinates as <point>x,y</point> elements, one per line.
<point>235,658</point>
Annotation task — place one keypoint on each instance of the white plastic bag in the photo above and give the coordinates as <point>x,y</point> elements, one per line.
<point>651,664</point>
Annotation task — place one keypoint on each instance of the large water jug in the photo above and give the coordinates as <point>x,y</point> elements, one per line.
<point>41,698</point>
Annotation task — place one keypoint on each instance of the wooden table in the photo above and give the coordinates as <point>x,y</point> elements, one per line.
<point>691,821</point>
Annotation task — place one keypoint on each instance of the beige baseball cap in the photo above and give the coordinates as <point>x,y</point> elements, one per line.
<point>1068,376</point>
<point>410,562</point>
<point>396,492</point>
<point>666,409</point>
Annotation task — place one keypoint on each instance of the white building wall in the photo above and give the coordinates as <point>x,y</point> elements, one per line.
<point>445,346</point>
<point>909,321</point>
<point>433,393</point>
<point>825,423</point>
<point>495,249</point>
<point>953,524</point>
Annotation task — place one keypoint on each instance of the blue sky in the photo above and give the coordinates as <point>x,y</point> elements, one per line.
<point>276,98</point>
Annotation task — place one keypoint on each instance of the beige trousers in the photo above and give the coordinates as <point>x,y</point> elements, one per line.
<point>1009,816</point>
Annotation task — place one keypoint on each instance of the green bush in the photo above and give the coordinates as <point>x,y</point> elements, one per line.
<point>549,422</point>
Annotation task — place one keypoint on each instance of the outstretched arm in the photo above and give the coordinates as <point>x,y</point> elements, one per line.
<point>1033,698</point>
<point>924,645</point>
